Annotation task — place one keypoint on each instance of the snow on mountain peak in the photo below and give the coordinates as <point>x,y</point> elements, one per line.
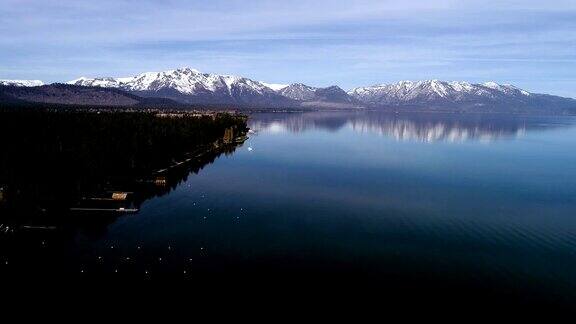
<point>275,86</point>
<point>491,85</point>
<point>299,91</point>
<point>506,88</point>
<point>22,83</point>
<point>187,69</point>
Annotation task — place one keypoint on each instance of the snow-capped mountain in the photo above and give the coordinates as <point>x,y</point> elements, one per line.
<point>298,91</point>
<point>192,86</point>
<point>460,96</point>
<point>434,91</point>
<point>22,83</point>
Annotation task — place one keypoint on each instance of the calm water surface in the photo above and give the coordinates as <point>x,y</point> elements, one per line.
<point>480,200</point>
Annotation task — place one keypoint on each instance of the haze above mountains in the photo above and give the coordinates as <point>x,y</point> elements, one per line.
<point>186,86</point>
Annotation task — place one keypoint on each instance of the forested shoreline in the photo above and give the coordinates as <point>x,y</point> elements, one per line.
<point>53,157</point>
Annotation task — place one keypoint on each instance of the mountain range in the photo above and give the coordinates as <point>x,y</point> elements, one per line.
<point>435,94</point>
<point>192,87</point>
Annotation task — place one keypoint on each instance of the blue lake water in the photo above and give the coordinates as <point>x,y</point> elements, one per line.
<point>473,200</point>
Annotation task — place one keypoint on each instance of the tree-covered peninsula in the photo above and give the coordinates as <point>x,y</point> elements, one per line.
<point>53,158</point>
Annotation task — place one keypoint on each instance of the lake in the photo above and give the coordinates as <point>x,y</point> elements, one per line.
<point>477,203</point>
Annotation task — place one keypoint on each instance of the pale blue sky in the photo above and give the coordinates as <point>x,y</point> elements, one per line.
<point>529,43</point>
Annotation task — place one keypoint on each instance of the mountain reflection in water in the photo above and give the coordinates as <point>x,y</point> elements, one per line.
<point>433,127</point>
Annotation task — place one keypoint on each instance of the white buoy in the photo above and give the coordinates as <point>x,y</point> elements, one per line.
<point>250,148</point>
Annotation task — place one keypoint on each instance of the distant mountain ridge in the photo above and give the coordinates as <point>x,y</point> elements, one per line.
<point>468,96</point>
<point>309,96</point>
<point>417,92</point>
<point>67,94</point>
<point>190,86</point>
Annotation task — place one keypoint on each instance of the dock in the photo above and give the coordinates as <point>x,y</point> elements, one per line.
<point>116,210</point>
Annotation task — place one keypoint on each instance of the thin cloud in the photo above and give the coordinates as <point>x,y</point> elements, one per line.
<point>529,43</point>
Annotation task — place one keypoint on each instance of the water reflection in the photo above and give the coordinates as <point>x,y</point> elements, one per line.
<point>411,127</point>
<point>340,201</point>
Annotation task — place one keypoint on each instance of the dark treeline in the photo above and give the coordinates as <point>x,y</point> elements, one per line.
<point>52,157</point>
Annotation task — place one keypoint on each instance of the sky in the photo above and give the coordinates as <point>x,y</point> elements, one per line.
<point>529,43</point>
